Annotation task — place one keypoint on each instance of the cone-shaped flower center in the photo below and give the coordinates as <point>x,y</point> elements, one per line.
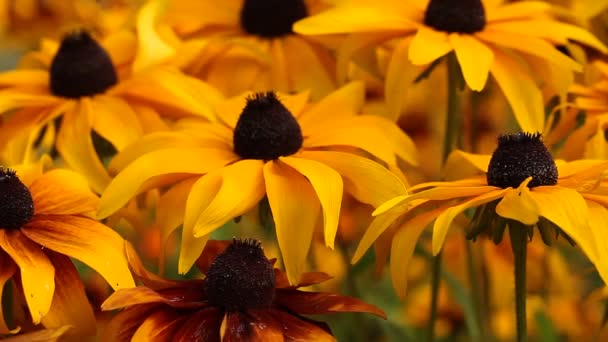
<point>463,16</point>
<point>241,278</point>
<point>266,129</point>
<point>81,67</point>
<point>271,18</point>
<point>519,156</point>
<point>16,204</point>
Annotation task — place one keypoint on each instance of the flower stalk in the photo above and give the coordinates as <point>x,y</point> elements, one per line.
<point>519,243</point>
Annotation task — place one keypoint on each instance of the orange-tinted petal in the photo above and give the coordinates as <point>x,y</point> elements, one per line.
<point>63,192</point>
<point>46,335</point>
<point>86,240</point>
<point>318,303</point>
<point>7,270</point>
<point>203,325</point>
<point>70,304</point>
<point>122,326</point>
<point>253,326</point>
<point>298,329</point>
<point>37,272</point>
<point>160,326</point>
<point>212,249</point>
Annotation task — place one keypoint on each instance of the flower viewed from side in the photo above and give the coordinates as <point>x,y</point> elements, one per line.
<point>522,187</point>
<point>241,298</point>
<point>505,39</point>
<point>89,84</point>
<point>46,219</point>
<point>302,156</point>
<point>249,45</point>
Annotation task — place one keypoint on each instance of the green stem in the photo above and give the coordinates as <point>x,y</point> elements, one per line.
<point>519,243</point>
<point>452,132</point>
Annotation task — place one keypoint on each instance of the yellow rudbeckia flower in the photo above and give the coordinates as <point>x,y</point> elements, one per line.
<point>301,156</point>
<point>46,219</point>
<point>511,41</point>
<point>89,84</point>
<point>249,45</point>
<point>522,185</point>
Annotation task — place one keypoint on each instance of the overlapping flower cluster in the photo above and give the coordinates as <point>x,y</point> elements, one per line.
<point>160,129</point>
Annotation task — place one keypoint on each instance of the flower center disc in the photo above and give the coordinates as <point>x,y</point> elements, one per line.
<point>462,16</point>
<point>271,18</point>
<point>266,129</point>
<point>16,204</point>
<point>81,67</point>
<point>240,278</point>
<point>519,156</point>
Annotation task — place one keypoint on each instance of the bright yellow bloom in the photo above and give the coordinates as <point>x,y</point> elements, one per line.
<point>301,156</point>
<point>515,42</point>
<point>46,219</point>
<point>241,45</point>
<point>521,183</point>
<point>91,87</point>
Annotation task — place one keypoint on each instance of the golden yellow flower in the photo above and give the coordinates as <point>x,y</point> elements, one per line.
<point>91,87</point>
<point>515,42</point>
<point>522,185</point>
<point>301,156</point>
<point>46,219</point>
<point>242,45</point>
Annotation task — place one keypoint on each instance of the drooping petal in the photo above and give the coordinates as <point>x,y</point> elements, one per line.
<point>368,181</point>
<point>116,121</point>
<point>295,209</point>
<point>598,215</point>
<point>253,325</point>
<point>428,45</point>
<point>152,49</point>
<point>298,329</point>
<point>122,327</point>
<point>319,303</point>
<point>12,99</point>
<point>160,326</point>
<point>70,304</point>
<point>24,78</point>
<point>46,335</point>
<point>521,92</point>
<point>203,325</point>
<point>478,162</point>
<point>157,163</point>
<point>403,246</point>
<point>37,272</point>
<point>86,240</point>
<point>444,220</point>
<point>7,270</point>
<point>241,189</point>
<point>328,185</point>
<point>185,294</point>
<point>519,205</point>
<point>400,76</point>
<point>379,225</point>
<point>63,192</point>
<point>474,59</point>
<point>307,279</point>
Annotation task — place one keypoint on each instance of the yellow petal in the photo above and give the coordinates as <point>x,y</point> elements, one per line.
<point>242,187</point>
<point>171,208</point>
<point>353,19</point>
<point>116,121</point>
<point>327,183</point>
<point>368,181</point>
<point>376,228</point>
<point>519,205</point>
<point>343,103</point>
<point>24,78</point>
<point>474,58</point>
<point>462,164</point>
<point>37,272</point>
<point>400,76</point>
<point>516,10</point>
<point>444,220</point>
<point>428,45</point>
<point>84,239</point>
<point>152,50</point>
<point>46,335</point>
<point>7,270</point>
<point>521,92</point>
<point>161,162</point>
<point>14,99</point>
<point>318,76</point>
<point>75,145</point>
<point>355,45</point>
<point>159,326</point>
<point>403,246</point>
<point>63,192</point>
<point>295,209</point>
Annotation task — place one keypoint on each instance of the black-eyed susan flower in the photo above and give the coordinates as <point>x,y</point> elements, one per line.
<point>302,156</point>
<point>241,298</point>
<point>249,45</point>
<point>46,219</point>
<point>512,41</point>
<point>522,186</point>
<point>90,85</point>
